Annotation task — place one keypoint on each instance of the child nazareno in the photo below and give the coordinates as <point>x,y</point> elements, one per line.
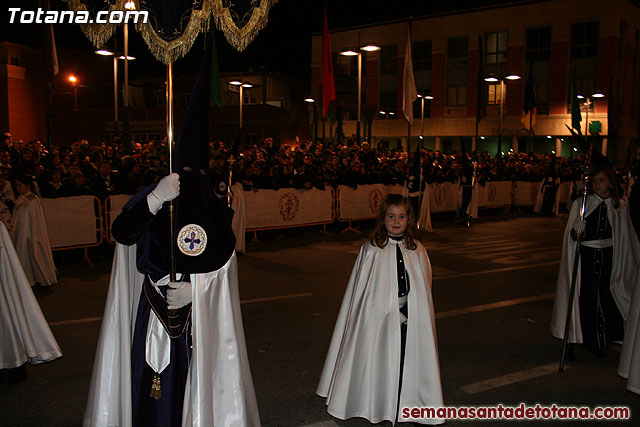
<point>383,356</point>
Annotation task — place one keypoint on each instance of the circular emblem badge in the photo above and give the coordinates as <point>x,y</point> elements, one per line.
<point>289,205</point>
<point>222,187</point>
<point>549,179</point>
<point>192,240</point>
<point>375,198</point>
<point>464,179</point>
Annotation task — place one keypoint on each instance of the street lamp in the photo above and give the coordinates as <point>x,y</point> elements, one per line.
<point>367,47</point>
<point>315,118</point>
<point>422,98</point>
<point>588,100</point>
<point>241,85</point>
<point>106,52</point>
<point>74,81</point>
<point>493,79</point>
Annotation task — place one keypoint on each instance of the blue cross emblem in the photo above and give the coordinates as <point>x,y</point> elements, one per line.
<point>192,241</point>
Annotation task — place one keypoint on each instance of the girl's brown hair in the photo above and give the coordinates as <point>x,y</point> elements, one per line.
<point>614,188</point>
<point>380,236</point>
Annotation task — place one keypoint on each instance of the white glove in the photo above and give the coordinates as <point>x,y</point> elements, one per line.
<point>178,294</point>
<point>168,188</point>
<point>580,226</point>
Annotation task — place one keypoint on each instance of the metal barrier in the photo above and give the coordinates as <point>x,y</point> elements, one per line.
<point>112,207</point>
<point>74,223</point>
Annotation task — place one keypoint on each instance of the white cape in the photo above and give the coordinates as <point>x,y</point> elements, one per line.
<point>219,390</point>
<point>361,373</point>
<point>31,240</point>
<point>24,332</point>
<point>424,216</point>
<point>237,223</point>
<point>626,258</point>
<point>629,366</point>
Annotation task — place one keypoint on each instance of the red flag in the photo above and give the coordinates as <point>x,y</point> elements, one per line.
<point>328,83</point>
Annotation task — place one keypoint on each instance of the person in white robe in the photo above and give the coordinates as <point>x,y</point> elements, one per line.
<point>31,237</point>
<point>383,356</point>
<point>25,335</point>
<point>172,350</point>
<point>608,264</point>
<point>629,365</point>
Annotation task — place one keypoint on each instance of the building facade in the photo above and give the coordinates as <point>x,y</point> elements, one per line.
<point>564,46</point>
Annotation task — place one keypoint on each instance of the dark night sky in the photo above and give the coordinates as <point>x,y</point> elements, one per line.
<point>283,46</point>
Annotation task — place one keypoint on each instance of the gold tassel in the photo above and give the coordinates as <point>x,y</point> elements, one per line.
<point>156,393</point>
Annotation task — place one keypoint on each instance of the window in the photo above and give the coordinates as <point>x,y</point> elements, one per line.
<point>584,55</point>
<point>389,59</point>
<point>538,56</point>
<point>495,94</point>
<point>421,55</point>
<point>457,75</point>
<point>497,44</point>
<point>584,39</point>
<point>539,44</point>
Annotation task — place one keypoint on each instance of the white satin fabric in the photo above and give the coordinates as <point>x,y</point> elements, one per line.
<point>238,220</point>
<point>424,216</point>
<point>31,240</point>
<point>361,373</point>
<point>219,390</point>
<point>626,259</point>
<point>24,332</point>
<point>629,366</point>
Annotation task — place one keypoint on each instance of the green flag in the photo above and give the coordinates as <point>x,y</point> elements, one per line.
<point>576,115</point>
<point>216,93</point>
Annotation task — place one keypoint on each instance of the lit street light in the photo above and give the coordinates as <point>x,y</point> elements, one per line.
<point>106,52</point>
<point>74,81</point>
<point>315,118</point>
<point>241,85</point>
<point>422,98</point>
<point>493,79</point>
<point>367,47</point>
<point>588,100</point>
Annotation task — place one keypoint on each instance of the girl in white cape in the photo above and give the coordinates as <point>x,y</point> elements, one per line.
<point>383,357</point>
<point>31,237</point>
<point>608,264</point>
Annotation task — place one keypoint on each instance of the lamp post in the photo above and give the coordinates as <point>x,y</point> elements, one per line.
<point>241,85</point>
<point>588,100</point>
<point>74,81</point>
<point>107,52</point>
<point>422,98</point>
<point>493,79</point>
<point>315,118</point>
<point>367,47</point>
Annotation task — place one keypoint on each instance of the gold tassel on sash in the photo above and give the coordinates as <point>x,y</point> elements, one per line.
<point>156,392</point>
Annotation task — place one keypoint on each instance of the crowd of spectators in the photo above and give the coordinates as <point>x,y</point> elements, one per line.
<point>105,169</point>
